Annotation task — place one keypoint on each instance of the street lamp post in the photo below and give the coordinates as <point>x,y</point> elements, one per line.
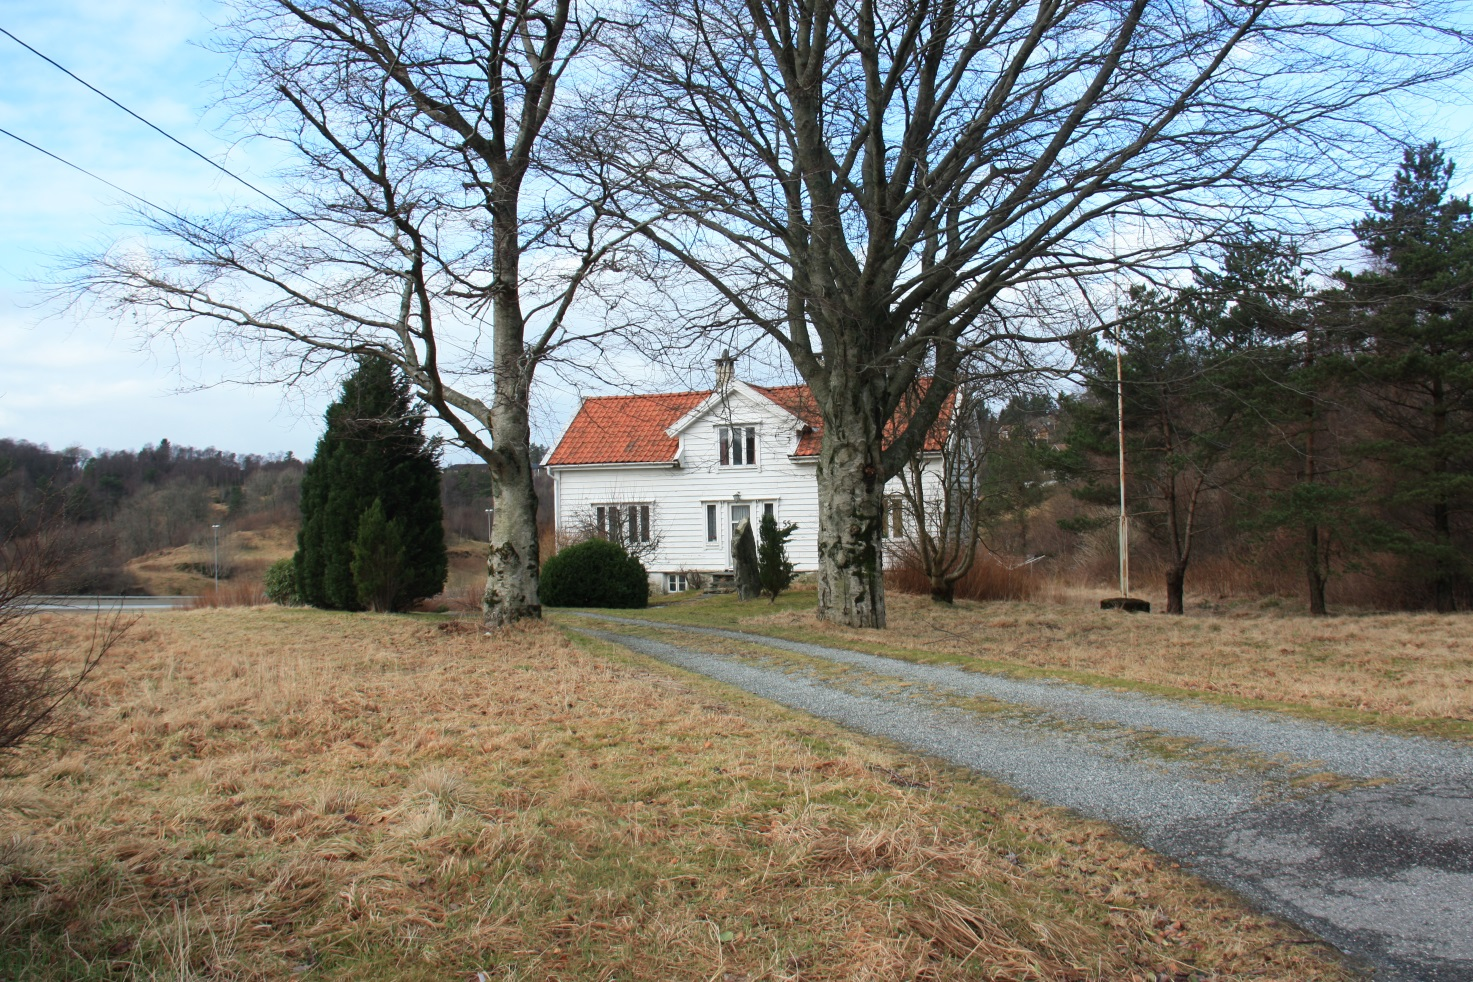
<point>488,524</point>
<point>1125,601</point>
<point>217,562</point>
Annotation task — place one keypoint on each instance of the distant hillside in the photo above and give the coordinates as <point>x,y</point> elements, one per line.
<point>139,521</point>
<point>117,506</point>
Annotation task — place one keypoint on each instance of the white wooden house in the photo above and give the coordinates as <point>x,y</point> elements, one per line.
<point>674,473</point>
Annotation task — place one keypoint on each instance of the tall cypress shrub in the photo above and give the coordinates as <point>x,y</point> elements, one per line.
<point>774,569</point>
<point>374,450</point>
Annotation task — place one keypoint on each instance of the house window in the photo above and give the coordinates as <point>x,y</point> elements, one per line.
<point>892,525</point>
<point>625,524</point>
<point>675,583</point>
<point>738,445</point>
<point>768,511</point>
<point>711,530</point>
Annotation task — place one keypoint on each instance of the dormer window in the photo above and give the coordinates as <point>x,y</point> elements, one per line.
<point>738,445</point>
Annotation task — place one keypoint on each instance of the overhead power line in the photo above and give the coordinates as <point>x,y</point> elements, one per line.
<point>153,126</point>
<point>121,190</point>
<point>175,140</point>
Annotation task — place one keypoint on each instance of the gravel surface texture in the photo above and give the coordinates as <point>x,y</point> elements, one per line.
<point>1365,838</point>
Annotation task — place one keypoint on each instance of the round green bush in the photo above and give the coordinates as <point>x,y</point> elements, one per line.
<point>596,573</point>
<point>281,583</point>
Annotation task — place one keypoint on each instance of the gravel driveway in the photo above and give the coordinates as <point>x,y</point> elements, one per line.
<point>1364,838</point>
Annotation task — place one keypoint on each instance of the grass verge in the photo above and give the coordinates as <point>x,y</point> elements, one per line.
<point>266,793</point>
<point>1410,673</point>
<point>1209,760</point>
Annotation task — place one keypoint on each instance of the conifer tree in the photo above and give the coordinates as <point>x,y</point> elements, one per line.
<point>1411,343</point>
<point>378,558</point>
<point>374,451</point>
<point>1181,423</point>
<point>774,569</point>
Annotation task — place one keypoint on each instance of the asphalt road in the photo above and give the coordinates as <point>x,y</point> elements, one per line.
<point>90,604</point>
<point>1364,838</point>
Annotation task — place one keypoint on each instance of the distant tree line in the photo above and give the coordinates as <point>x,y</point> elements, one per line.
<point>1337,418</point>
<point>115,505</point>
<point>466,493</point>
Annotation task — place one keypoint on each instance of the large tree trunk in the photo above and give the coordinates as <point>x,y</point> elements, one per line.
<point>1316,552</point>
<point>851,585</point>
<point>1176,578</point>
<point>1442,529</point>
<point>512,569</point>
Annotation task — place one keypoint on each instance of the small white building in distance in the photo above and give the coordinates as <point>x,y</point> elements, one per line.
<point>672,474</point>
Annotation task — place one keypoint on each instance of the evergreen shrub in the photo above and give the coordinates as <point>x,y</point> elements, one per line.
<point>281,582</point>
<point>378,559</point>
<point>774,569</point>
<point>596,573</point>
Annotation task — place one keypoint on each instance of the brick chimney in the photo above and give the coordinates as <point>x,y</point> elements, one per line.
<point>725,370</point>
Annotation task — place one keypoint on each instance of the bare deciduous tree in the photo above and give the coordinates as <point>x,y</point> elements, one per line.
<point>880,187</point>
<point>942,494</point>
<point>419,201</point>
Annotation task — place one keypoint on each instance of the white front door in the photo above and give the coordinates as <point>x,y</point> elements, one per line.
<point>739,514</point>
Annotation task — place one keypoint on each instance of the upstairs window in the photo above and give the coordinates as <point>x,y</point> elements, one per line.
<point>624,524</point>
<point>738,445</point>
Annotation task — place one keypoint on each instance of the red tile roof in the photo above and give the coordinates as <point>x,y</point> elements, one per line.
<point>631,429</point>
<point>624,429</point>
<point>798,400</point>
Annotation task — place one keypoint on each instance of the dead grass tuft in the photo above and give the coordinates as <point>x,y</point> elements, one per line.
<point>235,593</point>
<point>990,578</point>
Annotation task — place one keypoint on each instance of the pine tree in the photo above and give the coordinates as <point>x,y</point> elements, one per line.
<point>374,450</point>
<point>1281,371</point>
<point>1411,339</point>
<point>774,570</point>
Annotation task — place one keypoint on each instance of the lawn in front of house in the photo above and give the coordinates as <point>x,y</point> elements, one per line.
<point>267,793</point>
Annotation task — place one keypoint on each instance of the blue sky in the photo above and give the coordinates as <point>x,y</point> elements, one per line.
<point>70,377</point>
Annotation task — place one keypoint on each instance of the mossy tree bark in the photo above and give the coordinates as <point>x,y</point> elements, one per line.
<point>851,501</point>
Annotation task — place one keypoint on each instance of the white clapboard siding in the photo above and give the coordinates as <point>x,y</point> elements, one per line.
<point>678,495</point>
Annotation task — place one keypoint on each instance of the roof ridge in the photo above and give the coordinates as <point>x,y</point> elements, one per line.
<point>651,395</point>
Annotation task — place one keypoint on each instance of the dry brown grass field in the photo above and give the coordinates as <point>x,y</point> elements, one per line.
<point>1412,671</point>
<point>267,793</point>
<point>176,572</point>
